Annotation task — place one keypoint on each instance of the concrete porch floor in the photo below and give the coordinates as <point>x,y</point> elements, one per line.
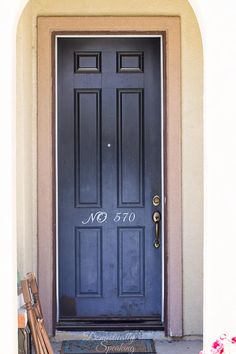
<point>163,345</point>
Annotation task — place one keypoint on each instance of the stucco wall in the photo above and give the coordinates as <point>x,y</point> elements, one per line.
<point>191,128</point>
<point>219,166</point>
<point>26,148</point>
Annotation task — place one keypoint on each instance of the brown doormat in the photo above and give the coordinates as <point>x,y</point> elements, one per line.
<point>130,346</point>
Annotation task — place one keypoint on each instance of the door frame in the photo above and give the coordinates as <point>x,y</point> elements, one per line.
<point>48,27</point>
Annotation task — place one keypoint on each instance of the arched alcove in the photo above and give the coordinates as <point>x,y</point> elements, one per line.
<point>192,170</point>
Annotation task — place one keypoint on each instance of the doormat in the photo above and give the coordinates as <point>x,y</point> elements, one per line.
<point>130,346</point>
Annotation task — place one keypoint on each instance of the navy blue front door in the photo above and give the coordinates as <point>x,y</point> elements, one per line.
<point>109,170</point>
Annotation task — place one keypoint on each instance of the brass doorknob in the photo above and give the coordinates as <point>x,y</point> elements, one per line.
<point>156,217</point>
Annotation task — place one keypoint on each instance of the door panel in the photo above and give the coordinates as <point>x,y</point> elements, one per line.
<point>87,148</point>
<point>130,157</point>
<point>131,261</point>
<point>109,169</point>
<point>88,257</point>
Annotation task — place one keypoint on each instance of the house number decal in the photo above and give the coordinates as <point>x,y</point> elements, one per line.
<point>102,216</point>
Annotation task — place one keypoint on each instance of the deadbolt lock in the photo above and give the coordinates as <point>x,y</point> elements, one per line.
<point>156,200</point>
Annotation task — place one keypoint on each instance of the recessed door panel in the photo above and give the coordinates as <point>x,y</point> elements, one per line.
<point>131,261</point>
<point>130,156</point>
<point>87,148</point>
<point>88,274</point>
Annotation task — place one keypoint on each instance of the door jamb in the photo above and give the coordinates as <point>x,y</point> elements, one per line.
<point>170,26</point>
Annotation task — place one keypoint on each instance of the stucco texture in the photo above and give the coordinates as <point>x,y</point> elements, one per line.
<point>192,133</point>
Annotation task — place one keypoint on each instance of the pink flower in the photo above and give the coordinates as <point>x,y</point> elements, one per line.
<point>217,347</point>
<point>223,336</point>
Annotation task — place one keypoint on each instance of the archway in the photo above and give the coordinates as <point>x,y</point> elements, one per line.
<point>191,137</point>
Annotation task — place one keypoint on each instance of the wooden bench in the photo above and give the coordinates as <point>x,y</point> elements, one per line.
<point>40,337</point>
<point>24,337</point>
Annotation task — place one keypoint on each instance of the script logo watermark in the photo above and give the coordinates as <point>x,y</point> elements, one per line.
<point>123,347</point>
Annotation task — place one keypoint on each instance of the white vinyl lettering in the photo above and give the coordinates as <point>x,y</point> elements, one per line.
<point>132,217</point>
<point>102,216</point>
<point>99,216</point>
<point>124,217</point>
<point>117,217</point>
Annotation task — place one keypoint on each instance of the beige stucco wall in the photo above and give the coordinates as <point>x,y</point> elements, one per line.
<point>26,147</point>
<point>191,129</point>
